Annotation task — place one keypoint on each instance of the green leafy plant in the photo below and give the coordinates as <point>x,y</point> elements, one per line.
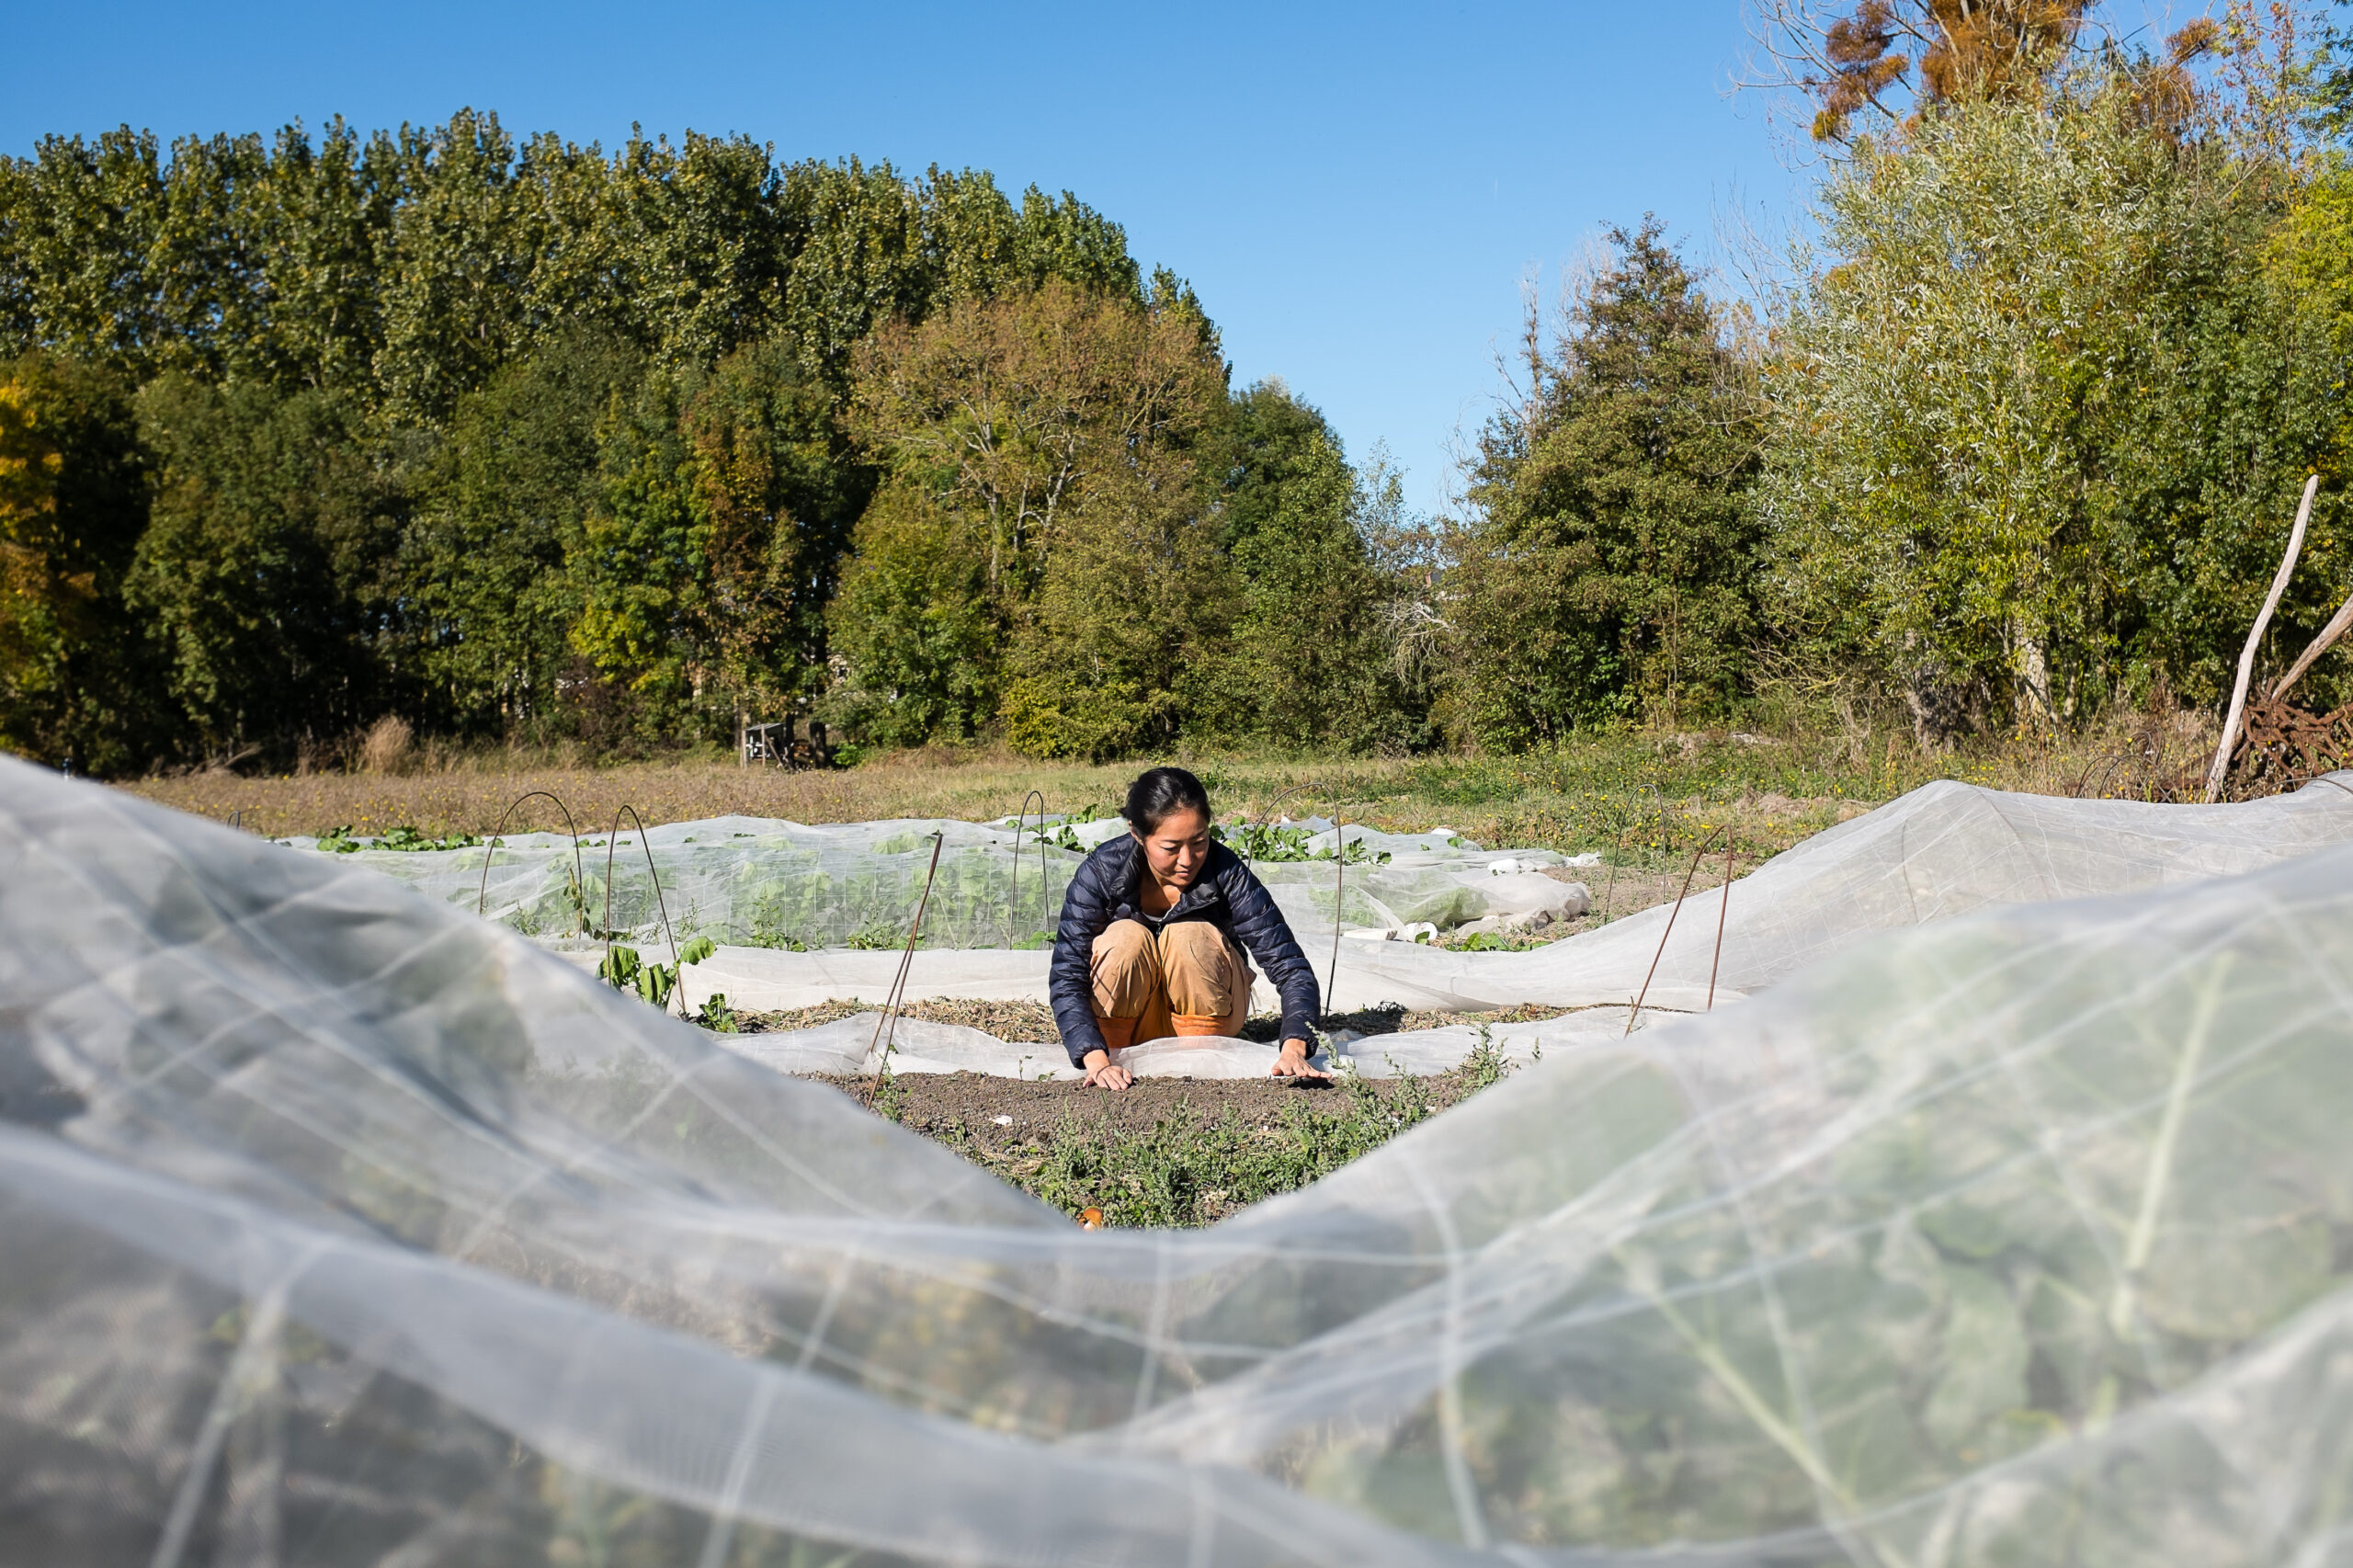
<point>1059,837</point>
<point>1188,1169</point>
<point>1496,942</point>
<point>1288,841</point>
<point>716,1014</point>
<point>405,839</point>
<point>625,969</point>
<point>1486,1065</point>
<point>1062,835</point>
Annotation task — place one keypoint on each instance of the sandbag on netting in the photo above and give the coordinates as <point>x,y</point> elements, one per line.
<point>764,882</point>
<point>342,1228</point>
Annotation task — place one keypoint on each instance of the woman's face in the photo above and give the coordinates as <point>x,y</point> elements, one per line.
<point>1177,849</point>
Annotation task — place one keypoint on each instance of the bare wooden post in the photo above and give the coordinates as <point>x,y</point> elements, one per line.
<point>1643,994</point>
<point>1722,906</point>
<point>2255,639</point>
<point>2321,644</point>
<point>897,1001</point>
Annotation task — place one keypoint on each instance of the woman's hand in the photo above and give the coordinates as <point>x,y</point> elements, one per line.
<point>1104,1074</point>
<point>1292,1062</point>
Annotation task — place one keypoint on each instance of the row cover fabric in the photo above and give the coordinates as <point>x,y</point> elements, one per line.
<point>341,1228</point>
<point>765,882</point>
<point>1942,850</point>
<point>862,1045</point>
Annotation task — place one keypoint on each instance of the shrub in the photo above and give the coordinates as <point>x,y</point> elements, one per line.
<point>386,747</point>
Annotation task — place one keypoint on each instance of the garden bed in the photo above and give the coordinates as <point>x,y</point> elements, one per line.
<point>1164,1150</point>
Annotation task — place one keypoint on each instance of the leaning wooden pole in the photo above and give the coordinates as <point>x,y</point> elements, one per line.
<point>2255,641</point>
<point>2335,628</point>
<point>1643,994</point>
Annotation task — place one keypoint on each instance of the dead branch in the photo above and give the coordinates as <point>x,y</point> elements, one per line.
<point>2255,639</point>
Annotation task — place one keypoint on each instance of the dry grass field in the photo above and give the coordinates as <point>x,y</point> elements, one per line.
<point>1639,796</point>
<point>1493,802</point>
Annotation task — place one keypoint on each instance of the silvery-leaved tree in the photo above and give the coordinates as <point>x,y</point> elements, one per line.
<point>2040,410</point>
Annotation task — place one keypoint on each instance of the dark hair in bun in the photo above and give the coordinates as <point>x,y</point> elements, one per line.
<point>1160,794</point>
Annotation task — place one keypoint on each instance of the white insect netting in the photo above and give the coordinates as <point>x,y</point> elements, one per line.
<point>1945,849</point>
<point>341,1228</point>
<point>763,882</point>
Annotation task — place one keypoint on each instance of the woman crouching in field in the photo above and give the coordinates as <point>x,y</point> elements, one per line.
<point>1151,938</point>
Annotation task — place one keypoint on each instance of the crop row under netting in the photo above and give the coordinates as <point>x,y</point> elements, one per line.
<point>342,1227</point>
<point>761,883</point>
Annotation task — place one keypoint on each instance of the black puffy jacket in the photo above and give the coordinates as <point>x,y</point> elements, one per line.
<point>1225,895</point>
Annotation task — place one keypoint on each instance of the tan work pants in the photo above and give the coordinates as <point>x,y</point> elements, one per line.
<point>1188,980</point>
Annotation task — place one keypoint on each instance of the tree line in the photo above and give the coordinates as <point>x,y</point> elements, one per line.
<point>526,441</point>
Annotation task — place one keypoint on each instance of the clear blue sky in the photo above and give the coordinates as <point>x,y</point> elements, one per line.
<point>1355,192</point>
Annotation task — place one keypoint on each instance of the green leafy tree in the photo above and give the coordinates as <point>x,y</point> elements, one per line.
<point>639,560</point>
<point>866,246</point>
<point>1133,599</point>
<point>1310,663</point>
<point>229,259</point>
<point>706,558</point>
<point>2309,265</point>
<point>1056,437</point>
<point>488,597</point>
<point>456,265</point>
<point>77,221</point>
<point>778,494</point>
<point>915,634</point>
<point>421,262</point>
<point>205,266</point>
<point>976,244</point>
<point>73,675</point>
<point>327,210</point>
<point>1610,564</point>
<point>536,416</point>
<point>263,565</point>
<point>2238,394</point>
<point>689,241</point>
<point>2041,417</point>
